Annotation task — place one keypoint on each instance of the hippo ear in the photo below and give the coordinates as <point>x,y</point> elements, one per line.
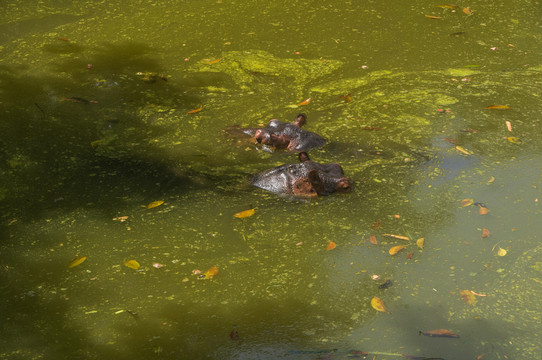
<point>300,120</point>
<point>303,156</point>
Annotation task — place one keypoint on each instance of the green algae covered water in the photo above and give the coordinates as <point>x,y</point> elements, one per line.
<point>107,107</point>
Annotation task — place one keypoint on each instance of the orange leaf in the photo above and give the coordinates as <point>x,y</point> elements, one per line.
<point>400,237</point>
<point>467,11</point>
<point>467,296</point>
<point>497,107</point>
<point>485,232</point>
<point>195,110</point>
<point>209,274</point>
<point>432,17</point>
<point>305,102</point>
<point>394,250</point>
<point>378,304</point>
<point>483,210</point>
<point>244,214</point>
<point>331,245</point>
<point>372,240</point>
<point>439,333</point>
<point>509,125</point>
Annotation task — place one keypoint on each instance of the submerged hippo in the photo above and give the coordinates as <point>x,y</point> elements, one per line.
<point>305,179</point>
<point>287,136</point>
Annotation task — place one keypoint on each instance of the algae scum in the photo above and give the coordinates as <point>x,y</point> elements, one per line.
<point>121,179</point>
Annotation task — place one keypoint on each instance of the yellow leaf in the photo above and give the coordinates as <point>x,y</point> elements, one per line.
<point>209,274</point>
<point>432,17</point>
<point>378,304</point>
<point>394,250</point>
<point>244,214</point>
<point>331,245</point>
<point>498,107</point>
<point>514,140</point>
<point>449,6</point>
<point>132,264</point>
<point>210,61</point>
<point>467,202</point>
<point>420,243</point>
<point>462,150</point>
<point>400,237</point>
<point>155,204</point>
<point>501,252</point>
<point>76,261</point>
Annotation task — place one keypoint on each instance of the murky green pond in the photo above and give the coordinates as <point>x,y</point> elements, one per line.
<point>97,121</point>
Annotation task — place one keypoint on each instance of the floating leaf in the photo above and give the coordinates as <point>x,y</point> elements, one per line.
<point>491,180</point>
<point>76,261</point>
<point>432,17</point>
<point>467,202</point>
<point>378,304</point>
<point>347,98</point>
<point>462,150</point>
<point>497,107</point>
<point>157,265</point>
<point>305,102</point>
<point>244,214</point>
<point>120,218</point>
<point>485,232</point>
<point>439,333</point>
<point>420,243</point>
<point>155,204</point>
<point>467,11</point>
<point>514,140</point>
<point>331,245</point>
<point>195,110</point>
<point>483,210</point>
<point>509,125</point>
<point>449,6</point>
<point>501,252</point>
<point>132,264</point>
<point>372,239</point>
<point>210,61</point>
<point>209,274</point>
<point>394,250</point>
<point>467,297</point>
<point>400,237</point>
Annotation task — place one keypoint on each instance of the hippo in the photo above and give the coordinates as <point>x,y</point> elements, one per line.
<point>287,136</point>
<point>306,179</point>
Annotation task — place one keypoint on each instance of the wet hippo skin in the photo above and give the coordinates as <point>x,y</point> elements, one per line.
<point>291,137</point>
<point>306,179</point>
